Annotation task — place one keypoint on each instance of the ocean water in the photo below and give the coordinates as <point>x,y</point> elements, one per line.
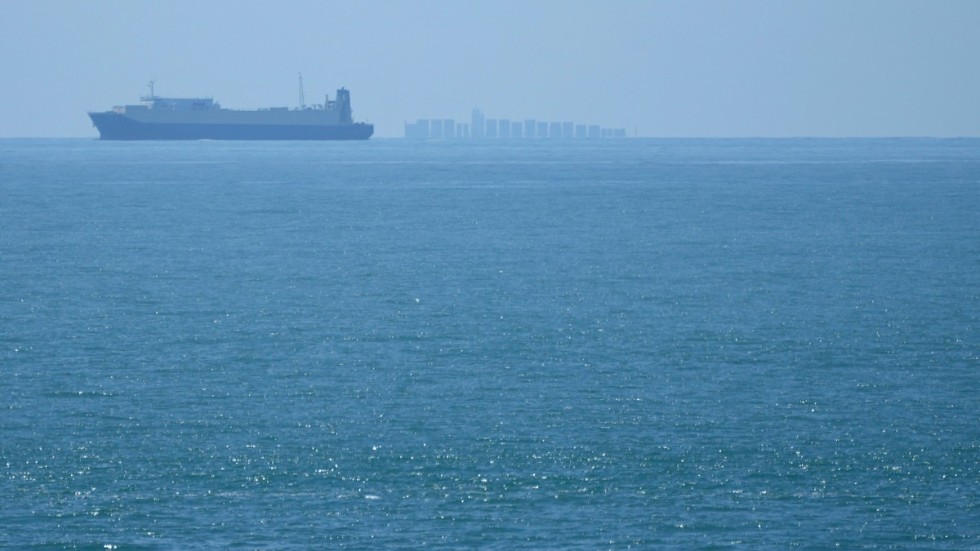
<point>662,344</point>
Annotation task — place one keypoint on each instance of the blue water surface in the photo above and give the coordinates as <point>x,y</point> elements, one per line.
<point>667,344</point>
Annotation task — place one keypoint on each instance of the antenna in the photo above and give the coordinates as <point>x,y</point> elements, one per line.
<point>150,84</point>
<point>302,100</point>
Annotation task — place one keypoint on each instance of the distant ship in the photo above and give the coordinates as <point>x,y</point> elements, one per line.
<point>159,118</point>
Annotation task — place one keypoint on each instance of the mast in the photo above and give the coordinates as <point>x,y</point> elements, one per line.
<point>302,100</point>
<point>152,97</point>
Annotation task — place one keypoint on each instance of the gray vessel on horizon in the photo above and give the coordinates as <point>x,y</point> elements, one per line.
<point>160,118</point>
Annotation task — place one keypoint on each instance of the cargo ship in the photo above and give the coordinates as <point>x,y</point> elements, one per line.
<point>161,118</point>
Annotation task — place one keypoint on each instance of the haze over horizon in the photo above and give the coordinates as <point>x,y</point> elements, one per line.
<point>756,68</point>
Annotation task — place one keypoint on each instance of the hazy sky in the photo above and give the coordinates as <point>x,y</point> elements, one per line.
<point>664,68</point>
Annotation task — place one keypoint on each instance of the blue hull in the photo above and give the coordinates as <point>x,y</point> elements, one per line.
<point>114,126</point>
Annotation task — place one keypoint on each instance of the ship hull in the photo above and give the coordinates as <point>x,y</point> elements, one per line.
<point>116,126</point>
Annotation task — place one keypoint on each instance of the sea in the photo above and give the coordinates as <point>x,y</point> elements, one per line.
<point>393,344</point>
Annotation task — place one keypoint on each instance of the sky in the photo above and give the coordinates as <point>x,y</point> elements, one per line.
<point>691,68</point>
